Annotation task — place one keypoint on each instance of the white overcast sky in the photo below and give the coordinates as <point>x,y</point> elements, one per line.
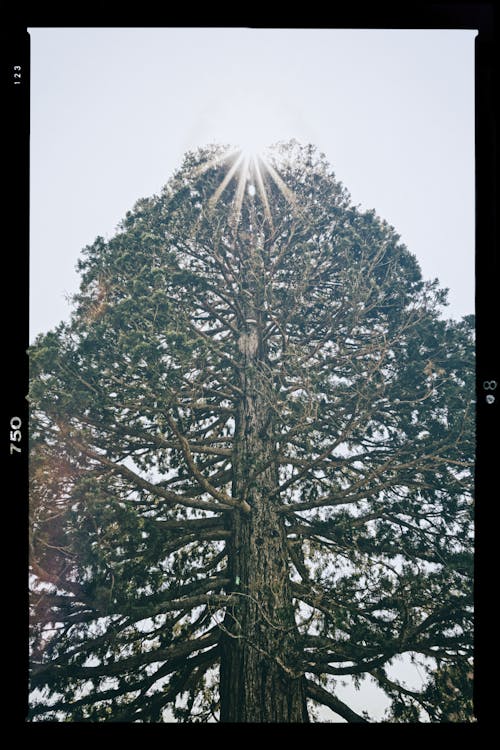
<point>114,110</point>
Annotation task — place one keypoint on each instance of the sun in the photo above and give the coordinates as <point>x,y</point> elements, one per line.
<point>252,145</point>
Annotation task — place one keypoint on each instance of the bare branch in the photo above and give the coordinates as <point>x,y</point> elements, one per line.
<point>320,695</point>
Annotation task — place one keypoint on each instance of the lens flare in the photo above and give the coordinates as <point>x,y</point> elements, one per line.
<point>251,165</point>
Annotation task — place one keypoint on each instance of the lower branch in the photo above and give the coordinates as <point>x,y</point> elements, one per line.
<point>320,695</point>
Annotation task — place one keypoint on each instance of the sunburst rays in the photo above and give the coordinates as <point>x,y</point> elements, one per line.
<point>240,190</point>
<point>249,169</point>
<point>225,182</point>
<point>219,159</point>
<point>262,191</point>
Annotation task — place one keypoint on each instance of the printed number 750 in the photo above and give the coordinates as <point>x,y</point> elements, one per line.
<point>15,435</point>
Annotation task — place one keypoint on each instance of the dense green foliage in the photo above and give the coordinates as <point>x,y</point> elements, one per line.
<point>370,400</point>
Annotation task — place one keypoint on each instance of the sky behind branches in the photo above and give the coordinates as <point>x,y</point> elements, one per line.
<point>114,110</point>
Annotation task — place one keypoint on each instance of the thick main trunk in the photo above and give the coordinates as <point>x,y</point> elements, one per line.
<point>260,680</point>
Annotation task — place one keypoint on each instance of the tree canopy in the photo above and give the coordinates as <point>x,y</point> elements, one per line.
<point>251,461</point>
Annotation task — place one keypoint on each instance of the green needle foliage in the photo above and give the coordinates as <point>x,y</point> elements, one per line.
<point>251,462</point>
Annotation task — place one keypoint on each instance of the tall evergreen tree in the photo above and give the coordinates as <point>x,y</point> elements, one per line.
<point>251,461</point>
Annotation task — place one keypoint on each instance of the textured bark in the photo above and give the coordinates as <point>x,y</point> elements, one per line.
<point>260,679</point>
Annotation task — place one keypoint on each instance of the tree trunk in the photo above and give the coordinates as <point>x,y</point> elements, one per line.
<point>260,680</point>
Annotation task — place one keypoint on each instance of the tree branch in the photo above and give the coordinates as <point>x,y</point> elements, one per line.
<point>154,489</point>
<point>178,651</point>
<point>202,480</point>
<point>320,695</point>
